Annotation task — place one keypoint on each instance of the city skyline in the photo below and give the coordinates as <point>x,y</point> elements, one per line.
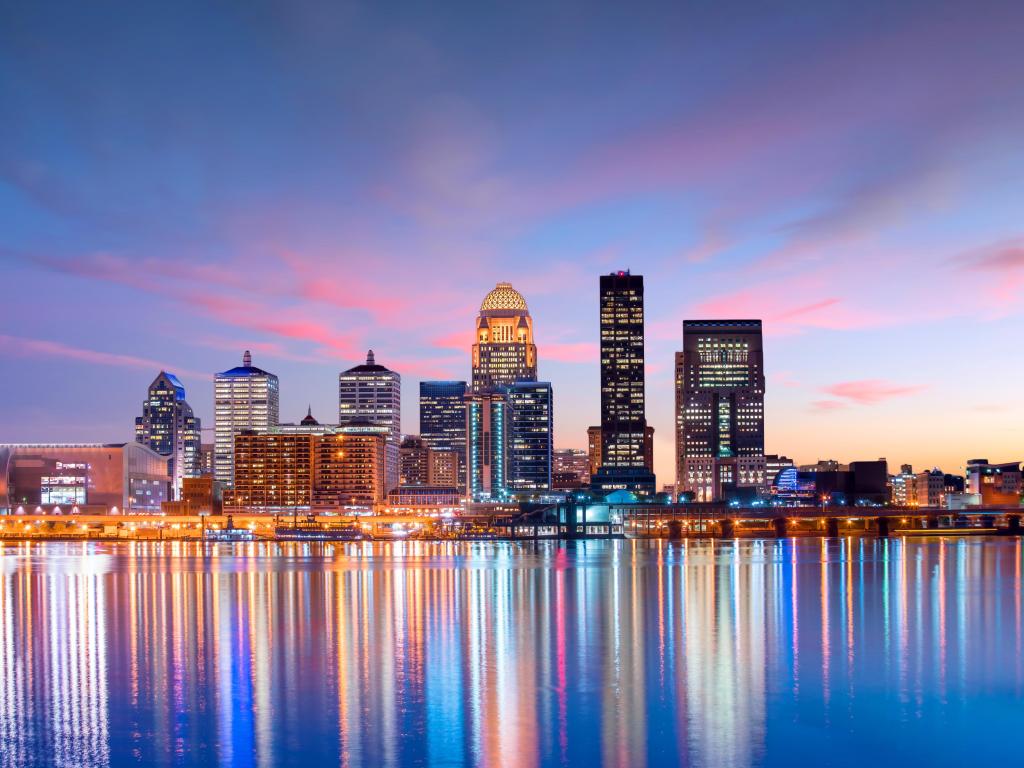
<point>872,227</point>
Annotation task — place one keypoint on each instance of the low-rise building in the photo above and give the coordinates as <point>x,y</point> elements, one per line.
<point>82,477</point>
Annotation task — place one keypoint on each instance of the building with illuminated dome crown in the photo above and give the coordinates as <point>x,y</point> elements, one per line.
<point>503,349</point>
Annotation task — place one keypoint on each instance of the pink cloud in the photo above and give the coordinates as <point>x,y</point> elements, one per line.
<point>569,352</point>
<point>870,391</point>
<point>24,347</point>
<point>828,405</point>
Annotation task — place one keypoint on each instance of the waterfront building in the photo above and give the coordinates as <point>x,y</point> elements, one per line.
<point>245,398</point>
<point>503,349</point>
<point>931,488</point>
<point>82,477</point>
<point>733,478</point>
<point>719,386</point>
<point>994,483</point>
<point>623,413</point>
<point>532,427</point>
<point>594,449</point>
<point>372,393</point>
<point>773,464</point>
<point>904,487</point>
<point>308,425</point>
<point>351,466</point>
<point>424,499</point>
<point>487,425</point>
<point>168,426</point>
<point>443,421</point>
<point>273,472</point>
<point>570,468</point>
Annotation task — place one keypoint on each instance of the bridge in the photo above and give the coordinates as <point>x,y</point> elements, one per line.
<point>565,521</point>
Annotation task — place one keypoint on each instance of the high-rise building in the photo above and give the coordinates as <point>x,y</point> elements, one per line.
<point>623,416</point>
<point>300,470</point>
<point>487,427</point>
<point>443,421</point>
<point>245,398</point>
<point>373,393</point>
<point>168,426</point>
<point>414,461</point>
<point>594,449</point>
<point>530,409</point>
<point>503,350</point>
<point>719,391</point>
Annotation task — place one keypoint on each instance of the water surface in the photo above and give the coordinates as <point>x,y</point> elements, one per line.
<point>766,653</point>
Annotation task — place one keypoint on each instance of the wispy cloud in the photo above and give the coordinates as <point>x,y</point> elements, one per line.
<point>869,391</point>
<point>42,348</point>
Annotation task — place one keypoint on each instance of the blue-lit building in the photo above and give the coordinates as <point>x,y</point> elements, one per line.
<point>487,430</point>
<point>530,449</point>
<point>443,420</point>
<point>168,426</point>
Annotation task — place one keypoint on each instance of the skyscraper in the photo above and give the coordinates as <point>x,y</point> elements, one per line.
<point>623,419</point>
<point>503,350</point>
<point>245,398</point>
<point>719,392</point>
<point>531,412</point>
<point>373,393</point>
<point>443,420</point>
<point>168,426</point>
<point>487,427</point>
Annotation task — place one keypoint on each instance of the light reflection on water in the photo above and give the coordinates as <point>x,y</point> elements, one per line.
<point>770,653</point>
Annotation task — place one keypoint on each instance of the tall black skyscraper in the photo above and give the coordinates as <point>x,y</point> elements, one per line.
<point>719,391</point>
<point>623,418</point>
<point>443,419</point>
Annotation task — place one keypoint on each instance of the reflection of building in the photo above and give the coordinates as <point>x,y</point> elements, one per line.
<point>719,391</point>
<point>994,483</point>
<point>503,349</point>
<point>529,451</point>
<point>373,393</point>
<point>115,477</point>
<point>623,418</point>
<point>168,426</point>
<point>245,398</point>
<point>443,420</point>
<point>487,424</point>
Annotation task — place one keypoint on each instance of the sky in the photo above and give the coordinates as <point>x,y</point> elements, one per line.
<point>180,182</point>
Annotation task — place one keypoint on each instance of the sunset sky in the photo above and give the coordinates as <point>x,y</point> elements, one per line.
<point>180,182</point>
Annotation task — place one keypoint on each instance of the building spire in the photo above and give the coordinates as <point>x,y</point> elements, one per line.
<point>369,357</point>
<point>247,359</point>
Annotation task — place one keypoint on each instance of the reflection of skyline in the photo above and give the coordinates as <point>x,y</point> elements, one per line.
<point>631,653</point>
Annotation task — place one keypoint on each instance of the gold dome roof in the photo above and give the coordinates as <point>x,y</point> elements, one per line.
<point>504,296</point>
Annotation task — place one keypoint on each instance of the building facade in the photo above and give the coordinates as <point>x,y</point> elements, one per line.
<point>372,393</point>
<point>82,477</point>
<point>168,426</point>
<point>623,406</point>
<point>503,350</point>
<point>443,421</point>
<point>720,387</point>
<point>245,398</point>
<point>570,468</point>
<point>530,451</point>
<point>487,427</point>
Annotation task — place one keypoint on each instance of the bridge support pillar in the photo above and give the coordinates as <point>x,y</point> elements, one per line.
<point>988,521</point>
<point>1013,525</point>
<point>932,521</point>
<point>882,524</point>
<point>779,524</point>
<point>832,527</point>
<point>726,528</point>
<point>675,530</point>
